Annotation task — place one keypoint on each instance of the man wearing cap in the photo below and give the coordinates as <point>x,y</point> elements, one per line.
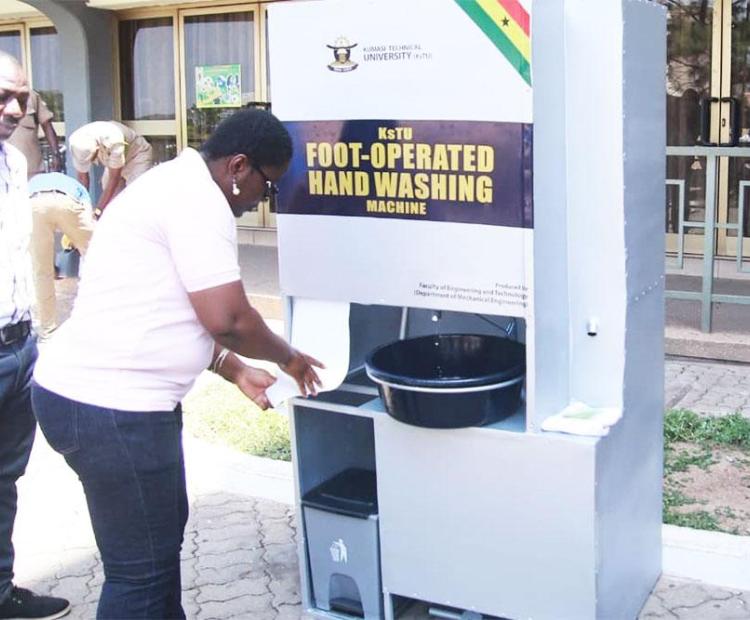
<point>26,136</point>
<point>123,153</point>
<point>17,345</point>
<point>58,203</point>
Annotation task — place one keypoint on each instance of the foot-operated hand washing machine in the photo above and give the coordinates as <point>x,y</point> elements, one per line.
<point>481,182</point>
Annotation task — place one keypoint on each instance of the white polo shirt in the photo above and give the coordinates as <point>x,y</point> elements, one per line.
<point>133,341</point>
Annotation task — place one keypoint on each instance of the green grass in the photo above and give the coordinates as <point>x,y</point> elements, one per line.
<point>728,430</point>
<point>675,461</point>
<point>703,434</point>
<point>217,411</point>
<point>698,520</point>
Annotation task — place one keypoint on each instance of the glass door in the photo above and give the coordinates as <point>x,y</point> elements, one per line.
<point>694,38</point>
<point>708,103</point>
<point>734,203</point>
<point>219,60</point>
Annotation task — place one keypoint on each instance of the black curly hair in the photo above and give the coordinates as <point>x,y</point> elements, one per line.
<point>253,132</point>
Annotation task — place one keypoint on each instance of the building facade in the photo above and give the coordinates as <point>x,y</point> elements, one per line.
<point>159,51</point>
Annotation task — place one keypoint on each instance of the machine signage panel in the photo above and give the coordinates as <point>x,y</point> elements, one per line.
<point>411,180</point>
<point>414,170</point>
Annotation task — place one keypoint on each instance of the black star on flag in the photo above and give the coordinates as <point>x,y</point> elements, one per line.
<point>506,21</point>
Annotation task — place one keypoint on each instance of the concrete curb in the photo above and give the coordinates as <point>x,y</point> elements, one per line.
<point>712,557</point>
<point>230,471</point>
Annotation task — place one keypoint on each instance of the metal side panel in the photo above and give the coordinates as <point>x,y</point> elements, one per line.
<point>500,523</point>
<point>629,461</point>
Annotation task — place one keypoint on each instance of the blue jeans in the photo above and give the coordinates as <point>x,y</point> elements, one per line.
<point>17,427</point>
<point>133,474</point>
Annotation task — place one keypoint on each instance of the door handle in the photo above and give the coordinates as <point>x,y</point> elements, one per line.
<point>705,117</point>
<point>734,121</point>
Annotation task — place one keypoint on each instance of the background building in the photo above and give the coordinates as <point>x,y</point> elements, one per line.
<point>137,60</point>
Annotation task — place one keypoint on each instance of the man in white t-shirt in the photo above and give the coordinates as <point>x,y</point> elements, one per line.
<point>160,299</point>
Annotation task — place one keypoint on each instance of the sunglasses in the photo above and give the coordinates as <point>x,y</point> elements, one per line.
<point>271,188</point>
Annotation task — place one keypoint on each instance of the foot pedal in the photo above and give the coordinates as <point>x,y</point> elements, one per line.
<point>347,606</point>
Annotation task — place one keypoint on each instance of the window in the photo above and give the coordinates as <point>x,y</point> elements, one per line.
<point>10,43</point>
<point>46,69</point>
<point>147,82</point>
<point>147,69</point>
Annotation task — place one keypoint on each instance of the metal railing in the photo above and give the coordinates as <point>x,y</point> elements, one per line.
<point>706,296</point>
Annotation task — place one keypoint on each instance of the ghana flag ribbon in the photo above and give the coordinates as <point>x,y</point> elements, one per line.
<point>506,23</point>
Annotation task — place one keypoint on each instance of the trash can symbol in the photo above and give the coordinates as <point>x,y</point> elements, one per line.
<point>338,551</point>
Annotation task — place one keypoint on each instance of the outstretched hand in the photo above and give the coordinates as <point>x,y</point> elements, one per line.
<point>253,383</point>
<point>301,368</point>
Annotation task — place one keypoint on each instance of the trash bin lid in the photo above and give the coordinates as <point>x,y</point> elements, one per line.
<point>352,492</point>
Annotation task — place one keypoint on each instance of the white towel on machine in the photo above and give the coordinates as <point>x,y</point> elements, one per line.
<point>581,419</point>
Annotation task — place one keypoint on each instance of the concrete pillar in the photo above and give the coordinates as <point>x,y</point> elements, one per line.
<point>86,41</point>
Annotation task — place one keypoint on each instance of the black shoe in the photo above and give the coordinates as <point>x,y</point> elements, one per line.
<point>23,604</point>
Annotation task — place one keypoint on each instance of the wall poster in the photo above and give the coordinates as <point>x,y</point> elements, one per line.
<point>218,86</point>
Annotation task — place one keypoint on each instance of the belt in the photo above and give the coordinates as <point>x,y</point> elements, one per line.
<point>15,332</point>
<point>48,191</point>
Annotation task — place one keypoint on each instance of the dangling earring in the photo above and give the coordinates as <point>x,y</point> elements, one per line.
<point>235,189</point>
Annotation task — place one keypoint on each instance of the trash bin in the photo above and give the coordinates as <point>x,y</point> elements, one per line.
<point>341,524</point>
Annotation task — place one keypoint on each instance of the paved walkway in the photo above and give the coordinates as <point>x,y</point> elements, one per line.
<point>707,388</point>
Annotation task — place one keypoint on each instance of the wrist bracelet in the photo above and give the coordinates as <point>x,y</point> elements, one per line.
<point>219,360</point>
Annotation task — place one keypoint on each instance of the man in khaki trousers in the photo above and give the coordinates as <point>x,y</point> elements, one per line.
<point>58,203</point>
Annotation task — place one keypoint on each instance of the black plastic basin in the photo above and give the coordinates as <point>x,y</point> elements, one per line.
<point>449,380</point>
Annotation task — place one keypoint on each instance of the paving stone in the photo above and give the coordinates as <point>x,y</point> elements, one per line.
<point>228,574</point>
<point>228,591</point>
<point>231,512</point>
<point>97,578</point>
<point>277,532</point>
<point>238,531</point>
<point>279,558</point>
<point>681,594</point>
<point>83,566</point>
<point>72,588</point>
<point>230,544</point>
<point>39,586</point>
<point>244,557</point>
<point>272,510</point>
<point>191,608</point>
<point>189,545</point>
<point>213,499</point>
<point>189,573</point>
<point>290,612</point>
<point>83,611</point>
<point>735,402</point>
<point>285,590</point>
<point>93,595</point>
<point>654,608</point>
<point>731,609</point>
<point>247,606</point>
